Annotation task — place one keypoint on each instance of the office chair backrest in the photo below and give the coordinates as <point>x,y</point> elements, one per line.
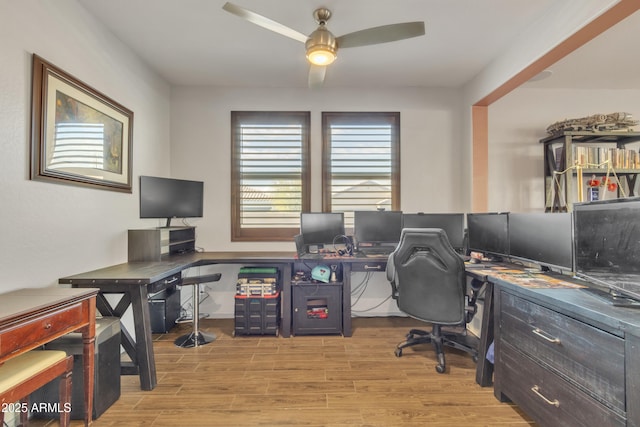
<point>430,277</point>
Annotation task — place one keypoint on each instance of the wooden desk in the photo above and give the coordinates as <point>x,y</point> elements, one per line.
<point>30,318</point>
<point>135,280</point>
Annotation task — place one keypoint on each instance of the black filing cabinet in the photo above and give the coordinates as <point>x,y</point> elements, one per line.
<point>317,308</point>
<point>106,376</point>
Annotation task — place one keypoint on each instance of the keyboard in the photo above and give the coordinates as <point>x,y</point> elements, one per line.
<point>613,298</point>
<point>377,251</point>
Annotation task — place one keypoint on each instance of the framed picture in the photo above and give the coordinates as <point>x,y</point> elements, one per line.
<point>79,136</point>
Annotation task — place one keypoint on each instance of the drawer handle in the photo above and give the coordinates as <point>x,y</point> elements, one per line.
<point>553,402</point>
<point>545,337</point>
<point>372,267</point>
<point>166,282</point>
<point>47,326</point>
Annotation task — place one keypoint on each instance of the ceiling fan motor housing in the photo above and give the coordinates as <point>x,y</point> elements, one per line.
<point>321,41</point>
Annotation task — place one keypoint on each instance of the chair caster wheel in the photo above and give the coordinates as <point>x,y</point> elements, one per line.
<point>440,369</point>
<point>398,352</point>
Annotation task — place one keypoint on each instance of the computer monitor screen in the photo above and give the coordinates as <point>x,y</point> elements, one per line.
<point>542,238</point>
<point>377,227</point>
<point>170,198</point>
<point>451,223</point>
<point>607,243</point>
<point>321,228</point>
<point>488,232</point>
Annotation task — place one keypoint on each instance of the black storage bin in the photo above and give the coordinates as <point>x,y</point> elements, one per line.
<point>107,371</point>
<point>257,315</point>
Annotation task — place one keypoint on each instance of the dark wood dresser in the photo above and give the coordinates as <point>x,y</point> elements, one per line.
<point>566,357</point>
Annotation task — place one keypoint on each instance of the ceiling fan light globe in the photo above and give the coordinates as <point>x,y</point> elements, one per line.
<point>321,55</point>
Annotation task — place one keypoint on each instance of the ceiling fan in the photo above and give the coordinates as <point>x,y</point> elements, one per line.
<point>321,46</point>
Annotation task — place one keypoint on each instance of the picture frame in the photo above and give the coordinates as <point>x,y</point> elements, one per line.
<point>79,136</point>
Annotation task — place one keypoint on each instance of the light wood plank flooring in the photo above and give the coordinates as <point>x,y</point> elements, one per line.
<point>307,381</point>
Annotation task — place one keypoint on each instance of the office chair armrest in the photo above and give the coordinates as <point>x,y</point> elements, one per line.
<point>391,277</point>
<point>391,269</point>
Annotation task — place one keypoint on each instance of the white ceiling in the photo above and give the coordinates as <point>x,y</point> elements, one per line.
<point>195,42</point>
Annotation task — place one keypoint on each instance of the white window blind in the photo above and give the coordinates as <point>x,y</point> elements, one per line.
<point>361,162</point>
<point>270,158</point>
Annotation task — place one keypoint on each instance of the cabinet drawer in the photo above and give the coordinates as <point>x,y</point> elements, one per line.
<point>369,266</point>
<point>588,356</point>
<point>41,330</point>
<point>165,283</point>
<point>547,397</point>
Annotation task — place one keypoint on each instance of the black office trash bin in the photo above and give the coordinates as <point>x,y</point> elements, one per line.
<point>107,371</point>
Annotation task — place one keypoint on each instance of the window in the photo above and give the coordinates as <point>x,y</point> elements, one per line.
<point>360,162</point>
<point>269,174</point>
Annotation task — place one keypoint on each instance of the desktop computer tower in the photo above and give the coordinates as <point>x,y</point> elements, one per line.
<point>106,376</point>
<point>164,309</point>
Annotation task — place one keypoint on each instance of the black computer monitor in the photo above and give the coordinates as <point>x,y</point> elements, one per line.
<point>451,223</point>
<point>488,232</point>
<point>170,198</point>
<point>542,238</point>
<point>377,227</point>
<point>321,228</point>
<point>607,243</point>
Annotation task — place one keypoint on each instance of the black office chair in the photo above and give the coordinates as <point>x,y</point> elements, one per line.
<point>428,281</point>
<point>196,338</point>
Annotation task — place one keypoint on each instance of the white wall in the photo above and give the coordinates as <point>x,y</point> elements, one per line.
<point>51,230</point>
<point>561,21</point>
<point>433,174</point>
<point>517,123</point>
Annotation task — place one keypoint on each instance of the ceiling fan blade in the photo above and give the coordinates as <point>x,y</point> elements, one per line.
<point>316,76</point>
<point>264,22</point>
<point>383,34</point>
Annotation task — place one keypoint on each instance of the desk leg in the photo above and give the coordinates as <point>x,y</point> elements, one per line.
<point>484,368</point>
<point>144,340</point>
<point>285,318</point>
<point>88,358</point>
<point>346,299</point>
<point>126,339</point>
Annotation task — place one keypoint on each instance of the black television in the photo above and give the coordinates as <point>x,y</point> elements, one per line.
<point>607,244</point>
<point>451,223</point>
<point>542,238</point>
<point>321,228</point>
<point>488,233</point>
<point>170,198</point>
<point>377,228</point>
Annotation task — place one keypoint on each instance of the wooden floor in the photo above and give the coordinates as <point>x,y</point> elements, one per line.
<point>307,381</point>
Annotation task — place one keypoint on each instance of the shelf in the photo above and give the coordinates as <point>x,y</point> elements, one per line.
<point>584,137</point>
<point>152,244</point>
<point>563,150</point>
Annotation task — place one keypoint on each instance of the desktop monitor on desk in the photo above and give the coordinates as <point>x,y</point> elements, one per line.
<point>542,238</point>
<point>377,229</point>
<point>489,233</point>
<point>451,223</point>
<point>607,244</point>
<point>168,198</point>
<point>319,229</point>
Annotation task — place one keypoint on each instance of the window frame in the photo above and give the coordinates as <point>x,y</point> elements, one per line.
<point>239,233</point>
<point>329,118</point>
